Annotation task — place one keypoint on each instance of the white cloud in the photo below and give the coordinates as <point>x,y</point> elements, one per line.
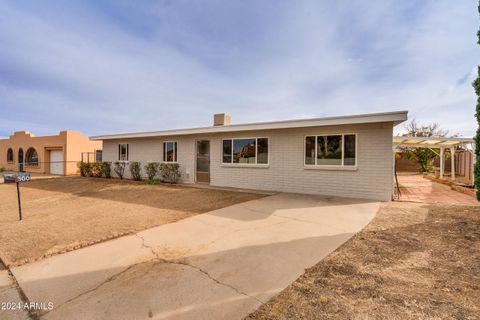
<point>79,70</point>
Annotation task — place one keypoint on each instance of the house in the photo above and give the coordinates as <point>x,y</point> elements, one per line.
<point>56,154</point>
<point>348,156</point>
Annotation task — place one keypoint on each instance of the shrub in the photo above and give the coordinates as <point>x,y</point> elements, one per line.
<point>97,169</point>
<point>151,169</point>
<point>2,169</point>
<point>170,172</point>
<point>85,169</point>
<point>107,169</point>
<point>119,168</point>
<point>135,170</point>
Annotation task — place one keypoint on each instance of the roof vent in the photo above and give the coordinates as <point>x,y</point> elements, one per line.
<point>221,119</point>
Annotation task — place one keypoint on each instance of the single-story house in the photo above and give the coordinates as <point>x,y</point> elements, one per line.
<point>57,154</point>
<point>348,156</point>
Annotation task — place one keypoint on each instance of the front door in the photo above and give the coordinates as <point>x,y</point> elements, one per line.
<point>203,161</point>
<point>20,160</point>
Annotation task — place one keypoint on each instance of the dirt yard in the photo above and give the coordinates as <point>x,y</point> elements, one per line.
<point>63,214</point>
<point>413,261</point>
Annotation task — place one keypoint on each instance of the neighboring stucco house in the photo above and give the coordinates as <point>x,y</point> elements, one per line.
<point>348,156</point>
<point>57,154</point>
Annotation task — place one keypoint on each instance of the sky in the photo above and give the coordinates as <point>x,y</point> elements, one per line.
<point>124,66</point>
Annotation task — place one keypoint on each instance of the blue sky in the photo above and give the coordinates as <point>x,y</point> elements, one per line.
<point>121,66</point>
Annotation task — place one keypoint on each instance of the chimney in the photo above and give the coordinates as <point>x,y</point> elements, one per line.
<point>221,119</point>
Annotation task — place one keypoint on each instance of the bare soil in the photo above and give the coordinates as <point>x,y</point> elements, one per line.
<point>413,261</point>
<point>63,214</point>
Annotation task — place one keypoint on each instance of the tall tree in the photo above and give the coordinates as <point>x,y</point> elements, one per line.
<point>476,85</point>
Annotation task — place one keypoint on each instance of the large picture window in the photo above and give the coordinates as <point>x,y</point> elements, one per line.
<point>245,151</point>
<point>331,150</point>
<point>170,151</point>
<point>123,152</point>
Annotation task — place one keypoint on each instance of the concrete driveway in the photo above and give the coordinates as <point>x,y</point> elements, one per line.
<point>219,265</point>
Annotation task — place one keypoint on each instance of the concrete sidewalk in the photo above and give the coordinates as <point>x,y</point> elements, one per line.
<point>11,307</point>
<point>219,265</point>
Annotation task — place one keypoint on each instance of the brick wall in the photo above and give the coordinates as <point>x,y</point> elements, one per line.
<point>371,179</point>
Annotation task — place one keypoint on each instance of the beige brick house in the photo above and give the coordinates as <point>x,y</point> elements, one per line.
<point>349,156</point>
<point>57,154</point>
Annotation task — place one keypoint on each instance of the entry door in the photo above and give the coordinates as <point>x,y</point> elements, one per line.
<point>203,161</point>
<point>20,160</point>
<point>56,162</point>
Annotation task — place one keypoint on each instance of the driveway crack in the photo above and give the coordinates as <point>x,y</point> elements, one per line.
<point>148,247</point>
<point>294,219</point>
<point>159,259</point>
<point>281,217</point>
<point>179,262</point>
<point>109,279</point>
<point>214,279</point>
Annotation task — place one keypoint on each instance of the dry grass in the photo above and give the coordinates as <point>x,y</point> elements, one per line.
<point>63,214</point>
<point>413,261</point>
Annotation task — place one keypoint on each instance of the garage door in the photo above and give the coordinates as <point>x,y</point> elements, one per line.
<point>56,162</point>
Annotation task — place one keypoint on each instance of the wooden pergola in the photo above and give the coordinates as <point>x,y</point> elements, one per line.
<point>441,143</point>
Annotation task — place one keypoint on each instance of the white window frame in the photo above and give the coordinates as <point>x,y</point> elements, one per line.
<point>127,149</point>
<point>316,165</point>
<point>175,154</point>
<point>256,152</point>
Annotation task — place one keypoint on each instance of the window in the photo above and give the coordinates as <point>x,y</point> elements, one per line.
<point>10,155</point>
<point>350,150</point>
<point>310,150</point>
<point>331,150</point>
<point>227,151</point>
<point>170,151</point>
<point>98,155</point>
<point>262,151</point>
<point>32,157</point>
<point>123,152</point>
<point>245,151</point>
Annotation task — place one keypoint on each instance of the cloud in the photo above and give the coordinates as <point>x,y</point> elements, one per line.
<point>102,66</point>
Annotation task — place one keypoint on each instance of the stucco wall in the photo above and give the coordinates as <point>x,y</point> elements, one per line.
<point>25,140</point>
<point>76,144</point>
<point>286,172</point>
<point>70,142</point>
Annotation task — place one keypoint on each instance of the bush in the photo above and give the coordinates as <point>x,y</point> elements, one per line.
<point>2,169</point>
<point>85,169</point>
<point>119,168</point>
<point>151,169</point>
<point>135,170</point>
<point>170,172</point>
<point>107,169</point>
<point>97,169</point>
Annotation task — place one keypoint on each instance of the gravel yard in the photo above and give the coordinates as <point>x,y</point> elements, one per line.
<point>413,261</point>
<point>67,213</point>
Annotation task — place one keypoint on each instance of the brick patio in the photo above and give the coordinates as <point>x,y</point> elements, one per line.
<point>417,189</point>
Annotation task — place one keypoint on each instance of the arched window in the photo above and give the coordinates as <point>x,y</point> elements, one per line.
<point>10,155</point>
<point>31,157</point>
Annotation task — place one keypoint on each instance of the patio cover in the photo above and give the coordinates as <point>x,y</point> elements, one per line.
<point>437,143</point>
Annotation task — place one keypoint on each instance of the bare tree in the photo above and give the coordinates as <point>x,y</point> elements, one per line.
<point>423,156</point>
<point>430,130</point>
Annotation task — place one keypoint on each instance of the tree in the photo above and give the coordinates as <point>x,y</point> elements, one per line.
<point>476,85</point>
<point>423,156</point>
<point>119,168</point>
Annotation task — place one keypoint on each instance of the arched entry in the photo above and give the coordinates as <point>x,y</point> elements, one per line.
<point>20,160</point>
